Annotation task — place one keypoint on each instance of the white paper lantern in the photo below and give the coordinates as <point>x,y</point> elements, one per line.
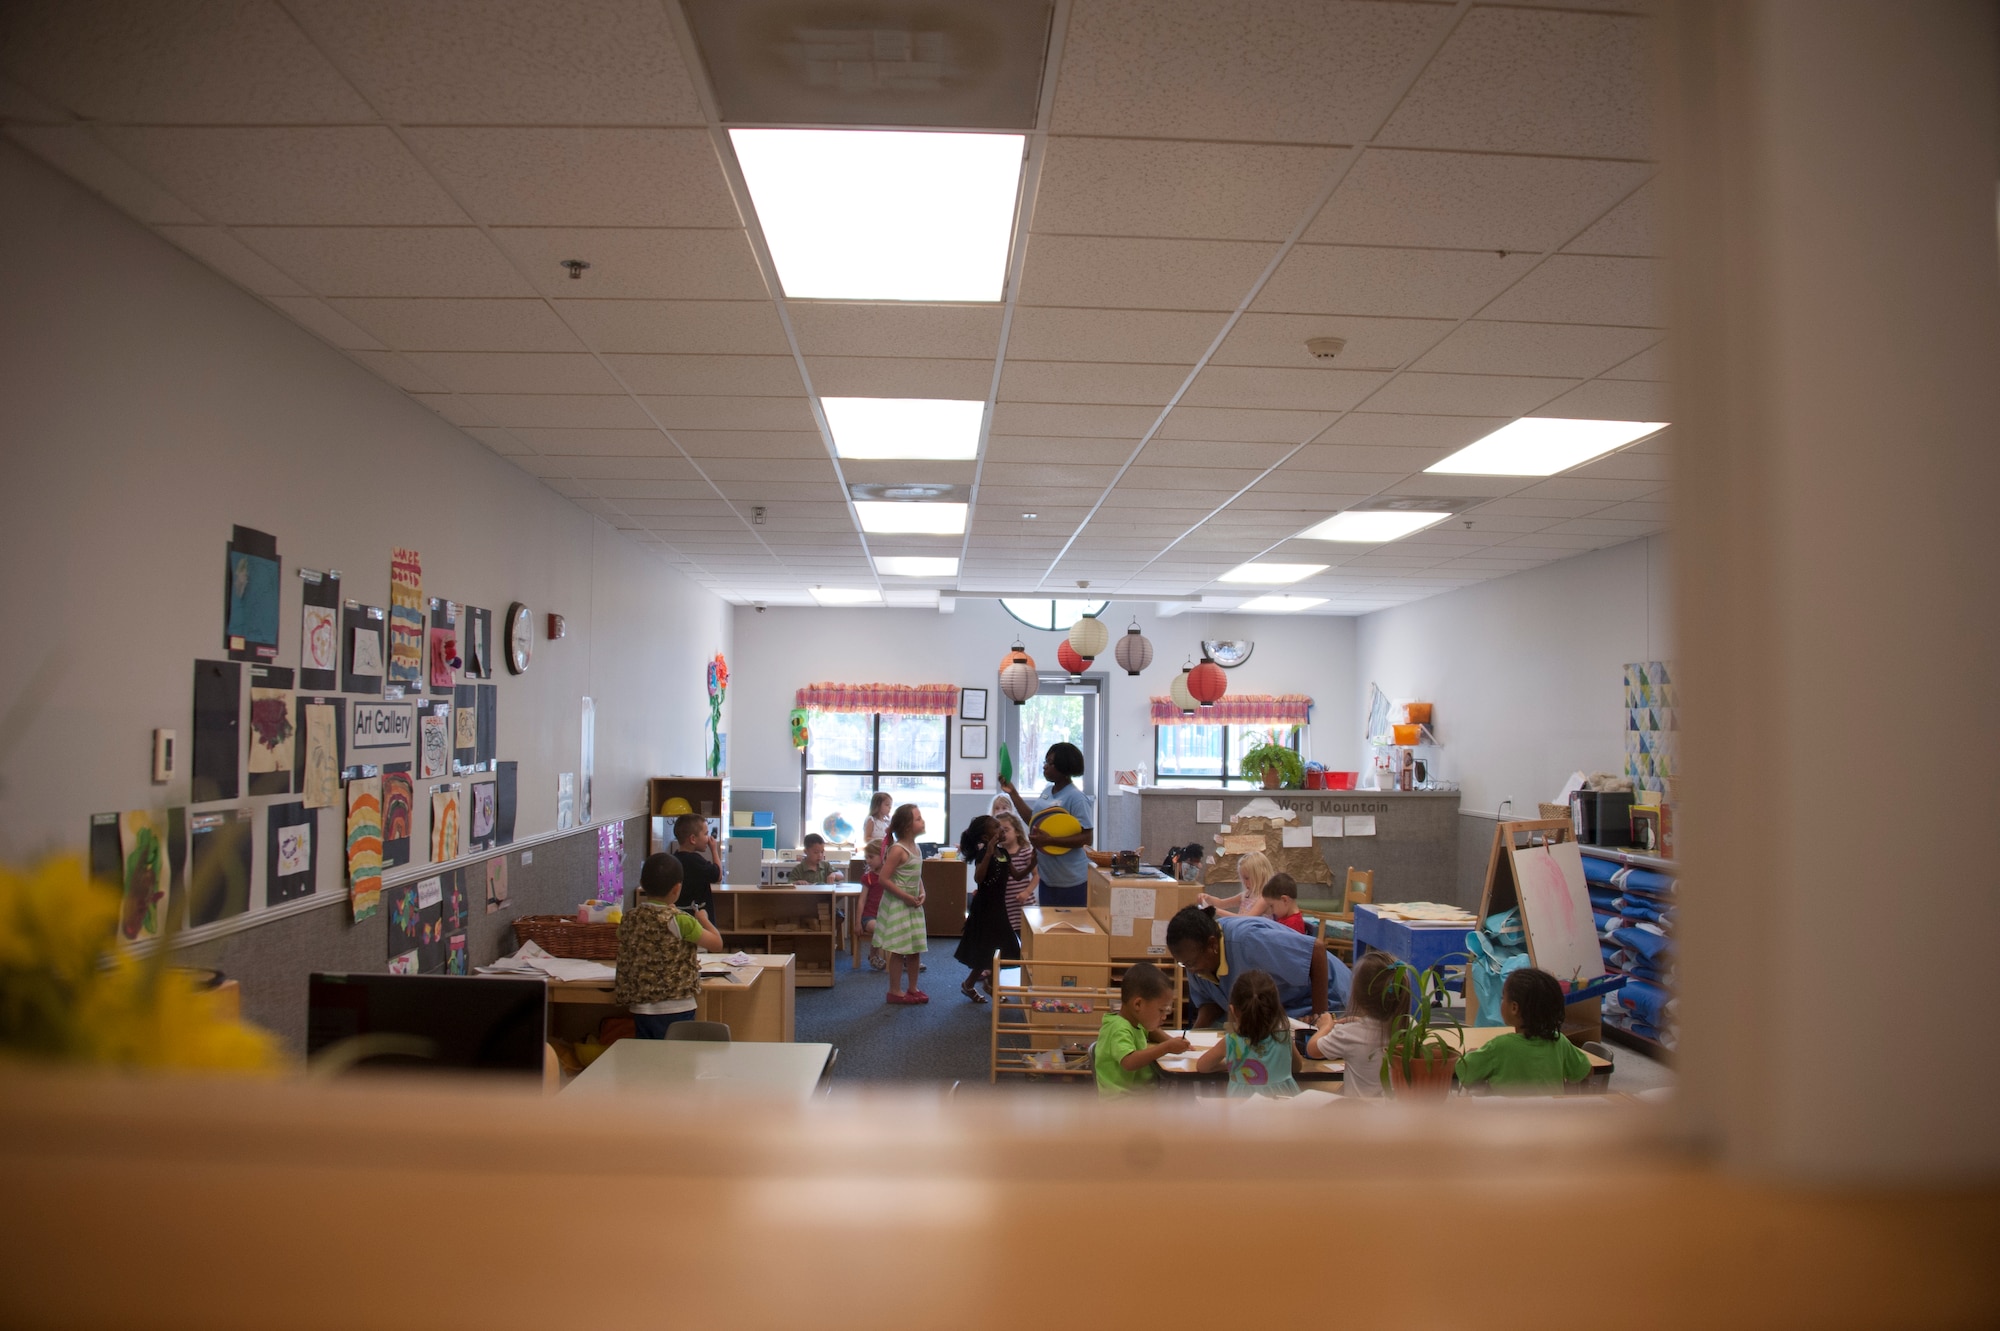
<point>1133,652</point>
<point>1088,638</point>
<point>1179,691</point>
<point>1018,680</point>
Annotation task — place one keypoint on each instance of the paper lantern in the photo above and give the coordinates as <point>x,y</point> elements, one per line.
<point>1133,652</point>
<point>1088,638</point>
<point>1017,676</point>
<point>1067,658</point>
<point>1178,690</point>
<point>1207,682</point>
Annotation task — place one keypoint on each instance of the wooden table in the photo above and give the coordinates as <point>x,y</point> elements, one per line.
<point>757,1001</point>
<point>1318,1069</point>
<point>709,1069</point>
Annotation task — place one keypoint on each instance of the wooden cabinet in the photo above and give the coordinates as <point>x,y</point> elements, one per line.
<point>944,897</point>
<point>706,795</point>
<point>800,920</point>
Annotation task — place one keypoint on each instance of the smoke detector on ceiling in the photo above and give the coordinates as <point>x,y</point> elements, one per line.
<point>1326,348</point>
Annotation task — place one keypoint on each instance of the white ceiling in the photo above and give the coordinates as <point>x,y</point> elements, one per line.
<point>1460,191</point>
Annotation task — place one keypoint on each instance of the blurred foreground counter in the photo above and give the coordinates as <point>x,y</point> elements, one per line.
<point>218,1204</point>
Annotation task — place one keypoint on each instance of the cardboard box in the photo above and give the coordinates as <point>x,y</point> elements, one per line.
<point>1062,933</point>
<point>1134,910</point>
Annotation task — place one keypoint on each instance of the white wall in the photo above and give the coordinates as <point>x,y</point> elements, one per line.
<point>1526,671</point>
<point>146,405</point>
<point>782,648</point>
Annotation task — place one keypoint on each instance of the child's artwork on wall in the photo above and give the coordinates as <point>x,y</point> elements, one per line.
<point>250,596</point>
<point>430,925</point>
<point>218,693</point>
<point>464,727</point>
<point>1555,905</point>
<point>322,755</point>
<point>288,853</point>
<point>319,632</point>
<point>506,795</point>
<point>398,800</point>
<point>455,911</point>
<point>219,866</point>
<point>486,733</point>
<point>611,862</point>
<point>405,924</point>
<point>404,964</point>
<point>361,648</point>
<point>455,956</point>
<point>496,884</point>
<point>444,649</point>
<point>364,847</point>
<point>444,824</point>
<point>482,815</point>
<point>144,874</point>
<point>1652,724</point>
<point>272,730</point>
<point>433,739</point>
<point>406,618</point>
<point>478,642</point>
<point>367,652</point>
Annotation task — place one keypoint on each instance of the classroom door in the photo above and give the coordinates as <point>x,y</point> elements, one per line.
<point>1062,712</point>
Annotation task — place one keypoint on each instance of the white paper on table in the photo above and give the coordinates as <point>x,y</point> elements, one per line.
<point>1296,838</point>
<point>1132,901</point>
<point>1208,811</point>
<point>1160,934</point>
<point>430,892</point>
<point>1360,825</point>
<point>1327,824</point>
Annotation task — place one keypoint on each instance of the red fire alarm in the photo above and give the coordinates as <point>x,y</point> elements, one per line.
<point>979,780</point>
<point>556,627</point>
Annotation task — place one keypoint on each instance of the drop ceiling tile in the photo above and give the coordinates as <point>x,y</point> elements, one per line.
<point>1244,423</point>
<point>1467,394</point>
<point>560,62</point>
<point>1034,448</point>
<point>1315,389</point>
<point>1637,511</point>
<point>757,469</point>
<point>228,256</point>
<point>1648,364</point>
<point>174,64</point>
<point>1626,465</point>
<point>1441,434</point>
<point>1211,484</point>
<point>1560,350</point>
<point>1609,529</point>
<point>1455,488</point>
<point>1614,400</point>
<point>1210,453</point>
<point>1585,289</point>
<point>334,175</point>
<point>1073,419</point>
<point>1534,81</point>
<point>77,152</point>
<point>1470,201</point>
<point>1278,341</point>
<point>694,327</point>
<point>846,328</point>
<point>633,263</point>
<point>886,376</point>
<point>594,443</point>
<point>731,413</point>
<point>1163,187</point>
<point>1140,274</point>
<point>1077,381</point>
<point>399,370</point>
<point>1272,499</point>
<point>588,468</point>
<point>748,376</point>
<point>1388,463</point>
<point>554,410</point>
<point>316,317</point>
<point>1331,483</point>
<point>752,443</point>
<point>500,441</point>
<point>1161,337</point>
<point>763,491</point>
<point>582,176</point>
<point>388,261</point>
<point>1341,279</point>
<point>1301,71</point>
<point>1545,508</point>
<point>461,325</point>
<point>1632,228</point>
<point>1048,474</point>
<point>515,371</point>
<point>1601,489</point>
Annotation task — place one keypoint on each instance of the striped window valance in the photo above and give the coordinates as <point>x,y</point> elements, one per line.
<point>903,699</point>
<point>1240,709</point>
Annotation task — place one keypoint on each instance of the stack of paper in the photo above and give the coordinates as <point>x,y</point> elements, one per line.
<point>534,959</point>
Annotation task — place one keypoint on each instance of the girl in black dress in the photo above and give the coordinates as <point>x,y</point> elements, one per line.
<point>987,928</point>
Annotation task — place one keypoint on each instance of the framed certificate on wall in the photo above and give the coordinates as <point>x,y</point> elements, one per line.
<point>972,706</point>
<point>972,741</point>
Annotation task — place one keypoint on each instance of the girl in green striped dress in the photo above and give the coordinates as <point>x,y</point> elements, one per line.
<point>899,923</point>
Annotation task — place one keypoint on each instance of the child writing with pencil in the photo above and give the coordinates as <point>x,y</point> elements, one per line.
<point>1130,1043</point>
<point>1536,1058</point>
<point>899,921</point>
<point>1258,1048</point>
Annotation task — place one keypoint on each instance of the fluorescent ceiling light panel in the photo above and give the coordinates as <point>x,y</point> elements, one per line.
<point>1274,574</point>
<point>917,566</point>
<point>884,215</point>
<point>1542,446</point>
<point>892,519</point>
<point>845,595</point>
<point>1282,605</point>
<point>1371,526</point>
<point>931,429</point>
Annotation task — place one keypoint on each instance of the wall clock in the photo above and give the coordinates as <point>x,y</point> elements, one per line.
<point>1228,652</point>
<point>520,638</point>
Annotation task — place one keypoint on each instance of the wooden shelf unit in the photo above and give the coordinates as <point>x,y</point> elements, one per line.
<point>706,795</point>
<point>803,921</point>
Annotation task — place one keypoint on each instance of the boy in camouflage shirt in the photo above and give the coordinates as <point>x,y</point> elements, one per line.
<point>659,977</point>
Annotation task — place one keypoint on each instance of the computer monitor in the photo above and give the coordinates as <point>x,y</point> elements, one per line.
<point>461,1023</point>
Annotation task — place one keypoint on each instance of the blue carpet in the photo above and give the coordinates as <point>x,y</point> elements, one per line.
<point>940,1042</point>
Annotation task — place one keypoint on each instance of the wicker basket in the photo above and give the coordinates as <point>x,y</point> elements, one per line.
<point>562,936</point>
<point>1554,810</point>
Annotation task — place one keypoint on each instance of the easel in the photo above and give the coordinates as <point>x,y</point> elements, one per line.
<point>1582,1020</point>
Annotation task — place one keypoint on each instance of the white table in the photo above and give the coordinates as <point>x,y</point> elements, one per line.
<point>710,1070</point>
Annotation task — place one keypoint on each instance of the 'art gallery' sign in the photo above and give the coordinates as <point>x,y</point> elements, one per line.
<point>380,725</point>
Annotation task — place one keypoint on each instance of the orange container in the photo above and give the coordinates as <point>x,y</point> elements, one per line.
<point>1407,735</point>
<point>1417,713</point>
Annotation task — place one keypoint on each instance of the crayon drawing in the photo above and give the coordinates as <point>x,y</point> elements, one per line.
<point>364,846</point>
<point>322,784</point>
<point>444,825</point>
<point>319,648</point>
<point>143,850</point>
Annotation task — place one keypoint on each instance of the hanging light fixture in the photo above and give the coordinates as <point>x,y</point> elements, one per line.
<point>1017,675</point>
<point>1207,682</point>
<point>1133,652</point>
<point>1178,690</point>
<point>1068,659</point>
<point>1088,638</point>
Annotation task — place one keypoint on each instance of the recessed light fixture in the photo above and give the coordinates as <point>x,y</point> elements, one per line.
<point>1282,605</point>
<point>1371,526</point>
<point>1542,446</point>
<point>844,595</point>
<point>917,566</point>
<point>925,428</point>
<point>884,215</point>
<point>1030,517</point>
<point>891,519</point>
<point>1273,574</point>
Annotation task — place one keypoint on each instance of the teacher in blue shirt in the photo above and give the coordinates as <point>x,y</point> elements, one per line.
<point>1064,867</point>
<point>1216,951</point>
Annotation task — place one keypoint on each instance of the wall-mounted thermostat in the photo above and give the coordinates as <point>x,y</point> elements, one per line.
<point>163,757</point>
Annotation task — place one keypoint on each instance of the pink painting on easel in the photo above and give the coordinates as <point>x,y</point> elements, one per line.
<point>1555,907</point>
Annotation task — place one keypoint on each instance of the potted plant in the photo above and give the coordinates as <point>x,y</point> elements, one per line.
<point>1418,1058</point>
<point>1275,765</point>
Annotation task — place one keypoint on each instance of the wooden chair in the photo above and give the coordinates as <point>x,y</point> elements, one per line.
<point>1358,890</point>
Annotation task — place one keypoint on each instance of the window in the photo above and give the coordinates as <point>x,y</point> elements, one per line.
<point>1050,615</point>
<point>1208,755</point>
<point>851,755</point>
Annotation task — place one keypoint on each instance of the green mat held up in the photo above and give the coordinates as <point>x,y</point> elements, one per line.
<point>1006,763</point>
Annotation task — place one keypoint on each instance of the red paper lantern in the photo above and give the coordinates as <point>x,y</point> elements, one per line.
<point>1067,658</point>
<point>1207,682</point>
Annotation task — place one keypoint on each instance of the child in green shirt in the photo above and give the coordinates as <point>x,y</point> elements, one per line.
<point>1536,1058</point>
<point>1131,1042</point>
